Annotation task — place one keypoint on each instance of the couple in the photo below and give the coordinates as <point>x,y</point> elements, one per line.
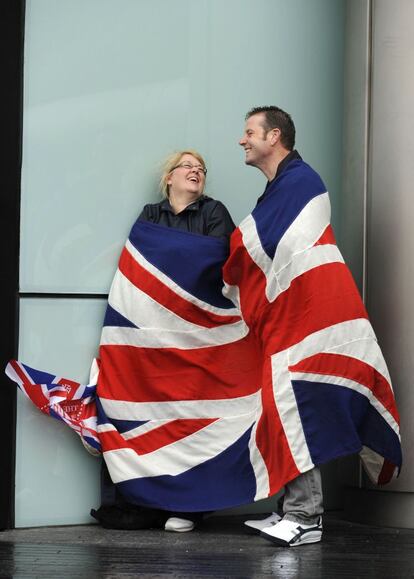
<point>225,374</point>
<point>287,239</point>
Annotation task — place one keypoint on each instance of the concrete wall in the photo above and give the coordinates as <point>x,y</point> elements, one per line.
<point>389,233</point>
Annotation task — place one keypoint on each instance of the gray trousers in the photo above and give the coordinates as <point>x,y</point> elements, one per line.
<point>303,500</point>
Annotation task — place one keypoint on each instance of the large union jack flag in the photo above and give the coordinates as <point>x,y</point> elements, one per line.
<point>212,394</point>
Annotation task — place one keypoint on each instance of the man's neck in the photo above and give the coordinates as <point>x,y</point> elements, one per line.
<point>269,168</point>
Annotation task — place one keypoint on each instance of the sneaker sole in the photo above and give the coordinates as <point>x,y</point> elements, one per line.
<point>308,538</point>
<point>178,530</point>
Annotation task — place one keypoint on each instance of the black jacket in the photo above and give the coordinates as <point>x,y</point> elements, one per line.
<point>205,216</point>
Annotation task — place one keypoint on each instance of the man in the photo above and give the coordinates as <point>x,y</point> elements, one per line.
<point>325,387</point>
<point>268,142</point>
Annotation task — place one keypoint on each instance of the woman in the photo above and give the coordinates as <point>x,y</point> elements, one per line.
<point>184,207</point>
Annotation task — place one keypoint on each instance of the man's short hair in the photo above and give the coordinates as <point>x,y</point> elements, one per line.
<point>276,118</point>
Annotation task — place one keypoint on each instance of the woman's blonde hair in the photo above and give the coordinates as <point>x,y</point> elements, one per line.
<point>171,162</point>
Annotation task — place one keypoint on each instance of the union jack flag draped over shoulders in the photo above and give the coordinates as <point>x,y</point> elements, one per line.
<point>326,391</point>
<point>179,379</point>
<point>212,394</point>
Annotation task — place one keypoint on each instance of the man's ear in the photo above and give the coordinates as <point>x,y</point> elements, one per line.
<point>274,136</point>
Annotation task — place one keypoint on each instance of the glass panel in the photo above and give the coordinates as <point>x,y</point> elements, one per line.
<point>57,481</point>
<point>103,106</point>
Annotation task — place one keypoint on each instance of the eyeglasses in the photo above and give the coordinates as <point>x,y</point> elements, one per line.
<point>197,168</point>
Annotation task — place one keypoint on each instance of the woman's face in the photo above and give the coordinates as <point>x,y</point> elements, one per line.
<point>187,177</point>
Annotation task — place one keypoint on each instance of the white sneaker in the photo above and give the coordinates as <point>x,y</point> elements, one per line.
<point>178,525</point>
<point>260,524</point>
<point>291,534</point>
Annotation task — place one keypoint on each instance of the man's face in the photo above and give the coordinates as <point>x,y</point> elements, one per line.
<point>255,141</point>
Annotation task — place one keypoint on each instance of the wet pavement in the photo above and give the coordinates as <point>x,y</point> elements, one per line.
<point>222,547</point>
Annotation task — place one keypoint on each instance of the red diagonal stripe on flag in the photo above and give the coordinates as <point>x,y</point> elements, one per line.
<point>156,289</point>
<point>34,391</point>
<point>327,237</point>
<point>156,438</point>
<point>387,473</point>
<point>353,369</point>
